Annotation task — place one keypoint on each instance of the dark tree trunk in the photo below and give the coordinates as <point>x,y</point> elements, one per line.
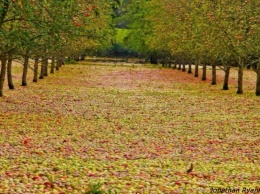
<point>25,70</point>
<point>52,64</point>
<point>163,64</point>
<point>46,64</point>
<point>174,66</point>
<point>240,79</point>
<point>196,74</point>
<point>58,64</point>
<point>225,85</point>
<point>2,74</point>
<point>9,72</point>
<point>249,66</point>
<point>62,62</point>
<point>42,69</point>
<point>179,66</point>
<point>35,69</point>
<point>204,72</point>
<point>154,59</point>
<point>82,57</point>
<point>214,75</point>
<point>257,91</point>
<point>190,69</point>
<point>183,67</point>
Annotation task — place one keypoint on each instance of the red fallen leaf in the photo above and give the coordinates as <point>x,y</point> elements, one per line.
<point>143,175</point>
<point>206,176</point>
<point>108,157</point>
<point>191,148</point>
<point>92,175</point>
<point>8,173</point>
<point>28,186</point>
<point>177,173</point>
<point>35,178</point>
<point>104,141</point>
<point>159,148</point>
<point>210,141</point>
<point>48,184</point>
<point>186,182</point>
<point>253,178</point>
<point>178,183</point>
<point>25,142</point>
<point>193,173</point>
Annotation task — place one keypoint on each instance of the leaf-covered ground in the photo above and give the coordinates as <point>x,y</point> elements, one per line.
<point>135,129</point>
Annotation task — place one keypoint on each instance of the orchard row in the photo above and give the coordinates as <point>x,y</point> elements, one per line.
<point>51,29</point>
<point>222,33</point>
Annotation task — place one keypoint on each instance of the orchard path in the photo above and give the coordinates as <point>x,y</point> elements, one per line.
<point>132,128</point>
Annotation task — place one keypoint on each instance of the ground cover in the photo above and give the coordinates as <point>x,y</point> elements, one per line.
<point>132,128</point>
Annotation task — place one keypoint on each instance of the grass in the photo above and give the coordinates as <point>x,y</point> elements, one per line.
<point>130,128</point>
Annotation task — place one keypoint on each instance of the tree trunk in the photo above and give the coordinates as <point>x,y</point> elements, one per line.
<point>46,64</point>
<point>35,70</point>
<point>214,75</point>
<point>62,62</point>
<point>42,69</point>
<point>2,74</point>
<point>9,71</point>
<point>179,66</point>
<point>190,69</point>
<point>82,57</point>
<point>58,65</point>
<point>240,79</point>
<point>154,59</point>
<point>225,85</point>
<point>204,72</point>
<point>25,70</point>
<point>196,74</point>
<point>163,64</point>
<point>52,64</point>
<point>257,91</point>
<point>174,66</point>
<point>183,67</point>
